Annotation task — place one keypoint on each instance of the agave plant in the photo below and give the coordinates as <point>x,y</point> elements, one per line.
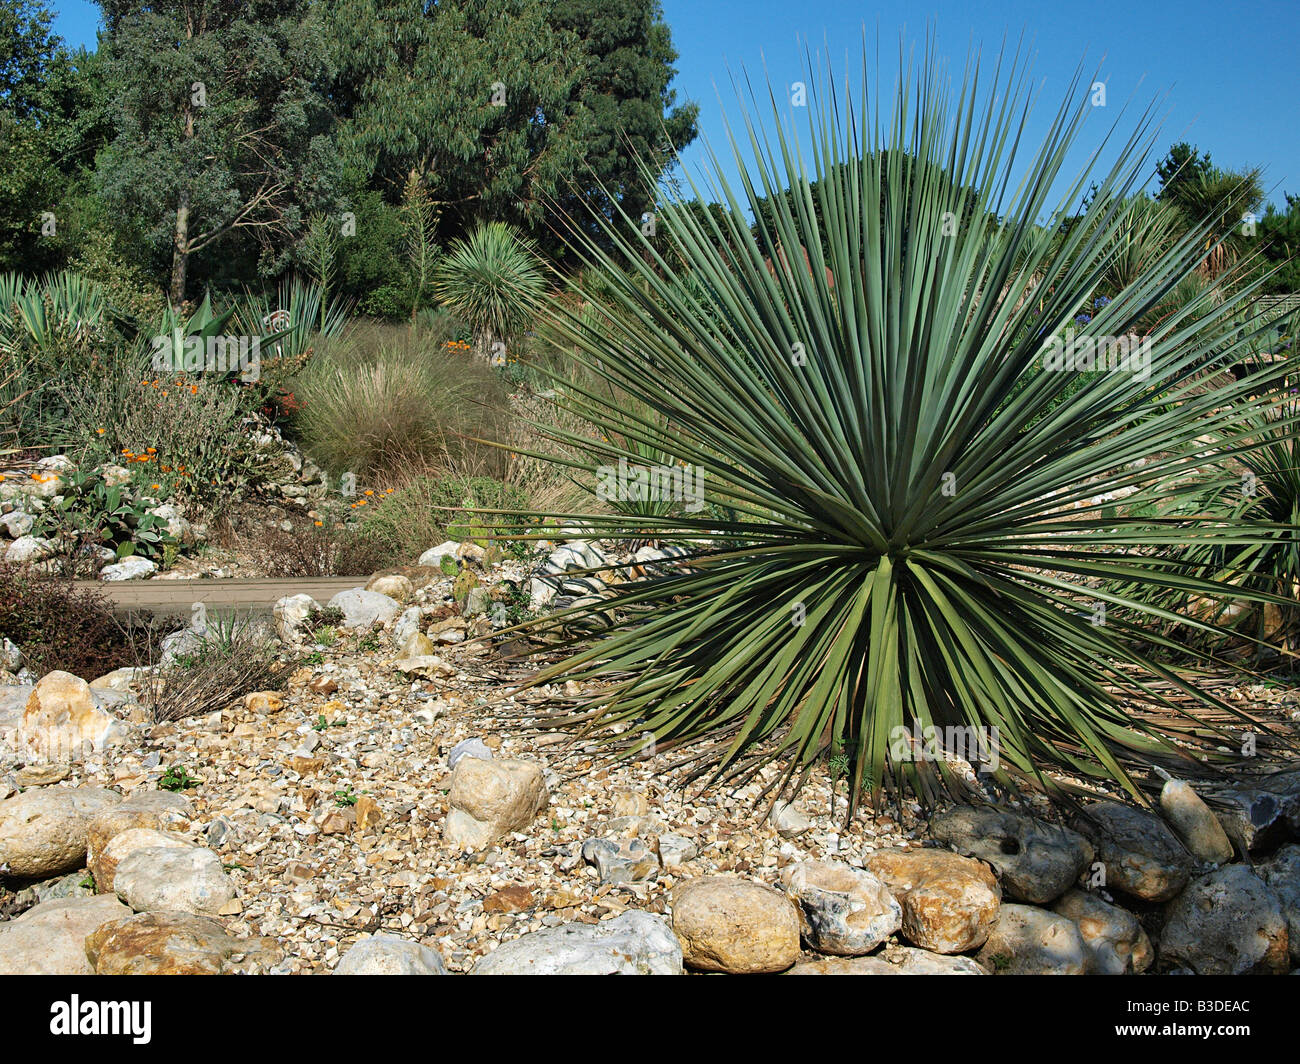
<point>59,304</point>
<point>492,279</point>
<point>914,545</point>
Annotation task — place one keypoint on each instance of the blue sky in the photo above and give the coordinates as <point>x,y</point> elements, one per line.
<point>1225,71</point>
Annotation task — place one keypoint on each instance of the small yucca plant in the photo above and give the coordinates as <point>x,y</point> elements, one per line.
<point>492,279</point>
<point>905,548</point>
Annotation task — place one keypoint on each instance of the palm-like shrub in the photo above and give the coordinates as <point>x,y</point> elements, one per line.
<point>907,549</point>
<point>1145,231</point>
<point>493,280</point>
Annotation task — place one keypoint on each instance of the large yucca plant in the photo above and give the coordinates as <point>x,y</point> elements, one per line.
<point>909,549</point>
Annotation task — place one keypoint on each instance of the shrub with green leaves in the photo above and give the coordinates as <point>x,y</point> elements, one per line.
<point>910,553</point>
<point>90,513</point>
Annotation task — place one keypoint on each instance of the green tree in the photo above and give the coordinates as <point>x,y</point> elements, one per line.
<point>635,117</point>
<point>1280,238</point>
<point>476,98</point>
<point>1183,164</point>
<point>31,58</point>
<point>222,126</point>
<point>29,54</point>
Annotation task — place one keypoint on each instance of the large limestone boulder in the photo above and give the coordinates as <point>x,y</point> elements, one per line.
<point>1031,941</point>
<point>950,902</point>
<point>734,925</point>
<point>390,955</point>
<point>1036,862</point>
<point>434,555</point>
<point>394,585</point>
<point>1282,873</point>
<point>50,938</point>
<point>157,811</point>
<point>1261,814</point>
<point>842,910</point>
<point>365,609</point>
<point>635,943</point>
<point>26,549</point>
<point>104,861</point>
<point>1114,942</point>
<point>43,832</point>
<point>290,614</point>
<point>1138,852</point>
<point>172,878</point>
<point>64,722</point>
<point>132,568</point>
<point>1229,922</point>
<point>492,798</point>
<point>173,943</point>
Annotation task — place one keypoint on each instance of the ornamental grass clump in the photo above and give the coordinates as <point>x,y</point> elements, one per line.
<point>900,533</point>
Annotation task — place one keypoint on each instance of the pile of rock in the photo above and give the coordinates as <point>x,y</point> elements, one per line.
<point>155,893</point>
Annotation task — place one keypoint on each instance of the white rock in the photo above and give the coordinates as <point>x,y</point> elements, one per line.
<point>115,475</point>
<point>29,549</point>
<point>406,625</point>
<point>64,720</point>
<point>43,830</point>
<point>636,943</point>
<point>434,555</point>
<point>469,748</point>
<point>1113,940</point>
<point>363,609</point>
<point>17,523</point>
<point>291,614</point>
<point>390,955</point>
<point>188,879</point>
<point>50,938</point>
<point>1032,941</point>
<point>843,910</point>
<point>492,798</point>
<point>394,585</point>
<point>132,568</point>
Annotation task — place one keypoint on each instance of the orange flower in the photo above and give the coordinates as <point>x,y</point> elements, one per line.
<point>99,432</point>
<point>367,492</point>
<point>151,450</point>
<point>194,389</point>
<point>155,487</point>
<point>318,523</point>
